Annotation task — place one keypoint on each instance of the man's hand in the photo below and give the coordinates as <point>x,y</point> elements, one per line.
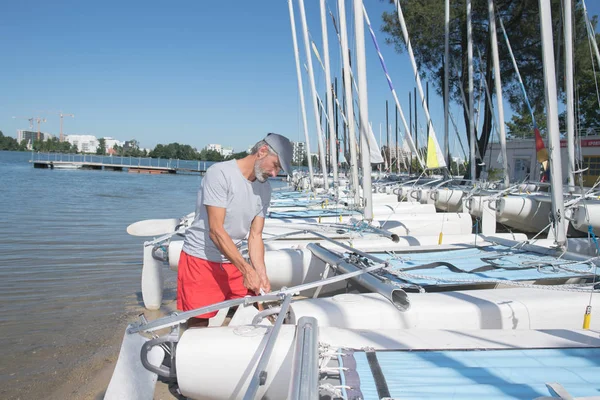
<point>252,281</point>
<point>265,284</point>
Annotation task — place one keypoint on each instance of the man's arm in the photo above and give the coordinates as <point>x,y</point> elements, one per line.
<point>220,237</point>
<point>256,249</point>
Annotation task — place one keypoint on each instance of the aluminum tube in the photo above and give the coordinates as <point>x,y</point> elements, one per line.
<point>558,209</point>
<point>259,376</point>
<point>349,100</point>
<point>305,364</point>
<point>363,105</point>
<point>394,295</point>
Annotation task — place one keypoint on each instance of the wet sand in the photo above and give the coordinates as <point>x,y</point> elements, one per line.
<point>90,380</point>
<point>87,369</point>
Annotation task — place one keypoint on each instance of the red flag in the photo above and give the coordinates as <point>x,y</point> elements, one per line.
<point>540,148</point>
<point>541,154</point>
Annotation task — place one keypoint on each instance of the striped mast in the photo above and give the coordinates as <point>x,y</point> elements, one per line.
<point>313,89</point>
<point>349,101</point>
<point>332,141</point>
<point>498,84</point>
<point>301,93</point>
<point>431,132</point>
<point>407,135</point>
<point>558,210</point>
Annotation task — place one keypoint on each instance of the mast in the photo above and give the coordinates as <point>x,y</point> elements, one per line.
<point>311,78</point>
<point>558,210</point>
<point>591,33</point>
<point>570,95</point>
<point>472,137</point>
<point>301,92</point>
<point>430,130</point>
<point>349,102</point>
<point>387,134</point>
<point>446,79</point>
<point>363,106</point>
<point>391,86</point>
<point>332,142</point>
<point>498,84</point>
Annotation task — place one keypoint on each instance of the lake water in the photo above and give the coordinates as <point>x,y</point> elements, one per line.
<point>69,272</point>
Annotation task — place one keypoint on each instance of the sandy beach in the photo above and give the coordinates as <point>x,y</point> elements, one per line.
<point>90,380</point>
<point>88,369</point>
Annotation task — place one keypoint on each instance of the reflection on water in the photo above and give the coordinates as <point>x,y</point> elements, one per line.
<point>69,273</point>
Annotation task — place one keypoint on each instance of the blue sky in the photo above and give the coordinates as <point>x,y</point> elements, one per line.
<point>195,72</point>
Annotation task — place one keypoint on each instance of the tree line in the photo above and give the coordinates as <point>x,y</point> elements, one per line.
<point>425,22</point>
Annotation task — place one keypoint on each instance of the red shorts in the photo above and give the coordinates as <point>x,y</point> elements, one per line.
<point>202,283</point>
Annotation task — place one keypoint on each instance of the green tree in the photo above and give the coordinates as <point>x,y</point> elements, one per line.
<point>8,143</point>
<point>210,155</point>
<point>101,150</point>
<point>238,156</point>
<point>175,151</point>
<point>424,20</point>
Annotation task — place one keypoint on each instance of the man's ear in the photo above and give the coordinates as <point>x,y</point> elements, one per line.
<point>263,151</point>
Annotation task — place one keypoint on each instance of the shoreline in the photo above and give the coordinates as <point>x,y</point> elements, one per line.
<point>89,374</point>
<point>90,380</point>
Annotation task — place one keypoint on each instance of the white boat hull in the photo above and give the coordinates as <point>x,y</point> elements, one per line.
<point>217,363</point>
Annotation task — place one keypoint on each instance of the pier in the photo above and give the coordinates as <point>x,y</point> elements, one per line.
<point>136,165</point>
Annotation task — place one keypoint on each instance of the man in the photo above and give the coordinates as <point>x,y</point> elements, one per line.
<point>232,203</point>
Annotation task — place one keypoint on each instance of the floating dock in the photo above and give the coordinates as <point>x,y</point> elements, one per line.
<point>143,169</point>
<point>135,169</point>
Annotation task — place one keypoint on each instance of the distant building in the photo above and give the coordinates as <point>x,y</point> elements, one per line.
<point>131,145</point>
<point>224,151</point>
<point>522,162</point>
<point>31,136</point>
<point>214,147</point>
<point>299,151</point>
<point>109,144</point>
<point>84,143</point>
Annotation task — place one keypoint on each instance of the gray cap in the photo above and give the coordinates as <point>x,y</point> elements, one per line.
<point>284,149</point>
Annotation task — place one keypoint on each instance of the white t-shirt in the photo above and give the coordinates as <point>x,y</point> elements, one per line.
<point>225,186</point>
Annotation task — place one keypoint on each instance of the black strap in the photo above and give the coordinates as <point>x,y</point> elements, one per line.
<point>432,265</point>
<point>380,383</point>
<point>490,267</point>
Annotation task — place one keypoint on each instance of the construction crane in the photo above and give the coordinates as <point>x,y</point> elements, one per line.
<point>28,119</point>
<point>39,120</point>
<point>61,123</point>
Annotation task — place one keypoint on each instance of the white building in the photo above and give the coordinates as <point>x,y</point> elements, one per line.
<point>84,143</point>
<point>522,161</point>
<point>109,143</point>
<point>226,151</point>
<point>299,151</point>
<point>214,147</point>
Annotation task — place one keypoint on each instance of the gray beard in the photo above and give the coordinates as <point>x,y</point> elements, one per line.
<point>260,174</point>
